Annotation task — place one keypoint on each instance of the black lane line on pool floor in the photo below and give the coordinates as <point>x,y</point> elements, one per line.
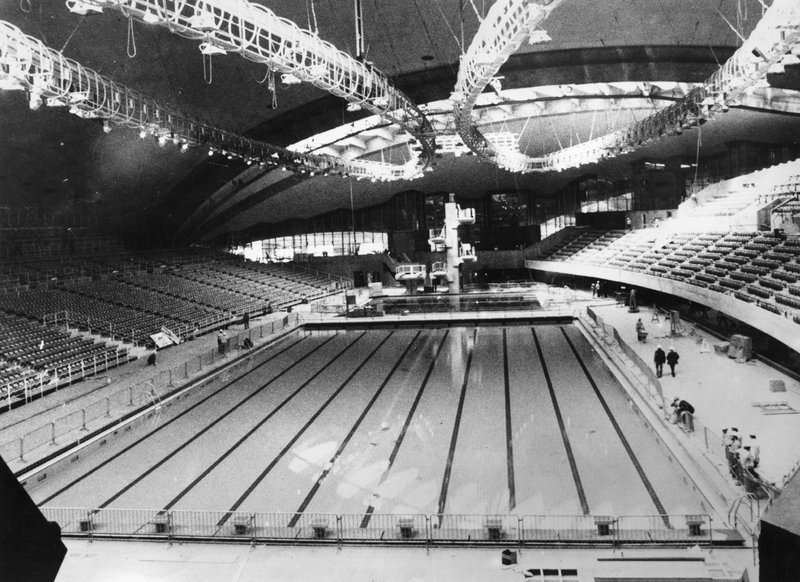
<point>647,485</point>
<point>340,449</point>
<point>371,509</point>
<point>299,433</point>
<point>215,422</point>
<point>454,439</point>
<point>573,465</point>
<point>166,424</point>
<point>512,491</point>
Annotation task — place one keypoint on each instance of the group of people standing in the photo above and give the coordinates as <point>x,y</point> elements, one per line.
<point>660,358</point>
<point>598,290</point>
<point>743,456</point>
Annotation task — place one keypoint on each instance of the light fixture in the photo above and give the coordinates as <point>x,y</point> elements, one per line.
<point>106,126</point>
<point>35,100</point>
<point>289,79</point>
<point>150,17</point>
<point>83,8</point>
<point>184,147</point>
<point>210,49</point>
<point>202,21</point>
<point>143,133</point>
<point>78,96</point>
<point>210,151</point>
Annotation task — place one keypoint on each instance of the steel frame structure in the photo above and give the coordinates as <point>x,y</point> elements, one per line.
<point>258,34</point>
<point>509,22</point>
<point>52,79</point>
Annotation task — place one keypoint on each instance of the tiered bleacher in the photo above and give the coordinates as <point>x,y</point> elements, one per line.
<point>755,267</point>
<point>34,354</point>
<point>127,298</point>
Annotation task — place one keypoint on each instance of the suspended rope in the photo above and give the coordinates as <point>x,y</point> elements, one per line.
<point>131,47</point>
<point>25,6</point>
<point>272,89</point>
<point>208,70</point>
<point>71,34</point>
<point>314,16</point>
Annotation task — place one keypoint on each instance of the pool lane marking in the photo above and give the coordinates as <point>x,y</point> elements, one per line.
<point>340,449</point>
<point>194,437</point>
<point>166,424</point>
<point>512,495</point>
<point>573,465</point>
<point>639,469</point>
<point>299,433</point>
<point>371,509</point>
<point>454,438</point>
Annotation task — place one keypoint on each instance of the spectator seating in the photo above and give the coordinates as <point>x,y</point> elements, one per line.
<point>756,267</point>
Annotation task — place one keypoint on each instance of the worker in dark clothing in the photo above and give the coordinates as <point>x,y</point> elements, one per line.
<point>659,359</point>
<point>684,411</point>
<point>641,334</point>
<point>672,360</point>
<point>682,405</point>
<point>246,320</point>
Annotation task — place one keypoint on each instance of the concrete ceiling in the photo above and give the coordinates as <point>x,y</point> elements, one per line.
<point>49,158</point>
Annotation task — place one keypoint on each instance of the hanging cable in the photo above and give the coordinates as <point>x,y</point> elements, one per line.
<point>450,28</point>
<point>271,87</point>
<point>131,47</point>
<point>23,4</point>
<point>314,16</point>
<point>71,34</point>
<point>475,8</point>
<point>208,72</point>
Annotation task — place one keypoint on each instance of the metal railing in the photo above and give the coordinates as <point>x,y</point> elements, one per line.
<point>643,377</point>
<point>108,407</point>
<point>382,528</point>
<point>36,384</point>
<point>647,385</point>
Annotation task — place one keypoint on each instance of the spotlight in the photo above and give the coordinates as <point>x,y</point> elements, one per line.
<point>106,126</point>
<point>210,49</point>
<point>289,79</point>
<point>35,101</point>
<point>143,133</point>
<point>150,17</point>
<point>184,147</point>
<point>82,8</point>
